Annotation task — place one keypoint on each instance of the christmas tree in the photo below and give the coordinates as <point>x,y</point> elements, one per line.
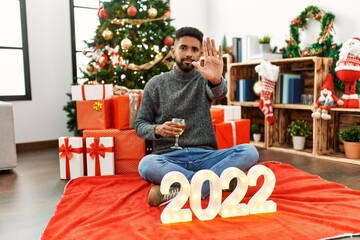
<point>131,45</point>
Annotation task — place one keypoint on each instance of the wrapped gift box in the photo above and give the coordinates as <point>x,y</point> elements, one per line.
<point>100,156</point>
<point>125,109</point>
<point>129,149</point>
<point>232,133</point>
<point>94,114</point>
<point>217,115</point>
<point>91,92</point>
<point>231,113</point>
<point>71,157</point>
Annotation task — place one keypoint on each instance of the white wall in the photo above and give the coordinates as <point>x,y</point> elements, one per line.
<point>191,13</point>
<point>43,119</point>
<point>259,17</point>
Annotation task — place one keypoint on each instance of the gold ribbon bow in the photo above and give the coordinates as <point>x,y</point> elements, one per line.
<point>97,106</point>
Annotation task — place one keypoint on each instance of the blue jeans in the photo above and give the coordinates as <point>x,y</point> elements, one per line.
<point>153,167</point>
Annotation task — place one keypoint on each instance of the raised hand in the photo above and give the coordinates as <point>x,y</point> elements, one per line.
<point>213,62</point>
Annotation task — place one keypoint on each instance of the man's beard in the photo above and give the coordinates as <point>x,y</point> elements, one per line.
<point>184,66</point>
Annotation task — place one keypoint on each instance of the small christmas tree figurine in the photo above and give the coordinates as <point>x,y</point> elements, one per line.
<point>131,45</point>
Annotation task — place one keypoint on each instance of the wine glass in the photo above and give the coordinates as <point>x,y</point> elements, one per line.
<point>181,122</point>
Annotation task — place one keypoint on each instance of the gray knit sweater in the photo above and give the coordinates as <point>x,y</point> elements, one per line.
<point>182,95</point>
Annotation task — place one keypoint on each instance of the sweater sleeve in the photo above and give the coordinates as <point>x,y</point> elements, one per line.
<point>144,123</point>
<point>218,91</point>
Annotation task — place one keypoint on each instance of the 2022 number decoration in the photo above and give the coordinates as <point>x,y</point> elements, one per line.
<point>230,207</point>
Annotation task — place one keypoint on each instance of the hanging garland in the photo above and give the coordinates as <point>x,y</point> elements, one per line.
<point>323,47</point>
<point>147,66</point>
<point>134,21</point>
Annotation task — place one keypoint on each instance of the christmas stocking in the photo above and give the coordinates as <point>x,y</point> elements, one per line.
<point>267,88</point>
<point>269,75</point>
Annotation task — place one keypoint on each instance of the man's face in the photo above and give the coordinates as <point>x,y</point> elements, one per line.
<point>185,51</point>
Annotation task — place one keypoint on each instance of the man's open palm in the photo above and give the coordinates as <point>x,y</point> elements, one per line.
<point>213,62</point>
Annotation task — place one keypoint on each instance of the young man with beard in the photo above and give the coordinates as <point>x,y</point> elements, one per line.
<point>186,92</point>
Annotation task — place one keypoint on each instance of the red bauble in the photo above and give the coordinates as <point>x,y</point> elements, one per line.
<point>102,13</point>
<point>132,11</point>
<point>168,41</point>
<point>167,14</point>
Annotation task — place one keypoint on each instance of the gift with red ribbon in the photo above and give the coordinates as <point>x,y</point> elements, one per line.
<point>71,157</point>
<point>231,113</point>
<point>91,92</point>
<point>231,133</point>
<point>100,156</point>
<point>129,148</point>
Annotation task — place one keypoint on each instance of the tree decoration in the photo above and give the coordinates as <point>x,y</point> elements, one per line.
<point>114,55</point>
<point>132,11</point>
<point>90,68</point>
<point>137,22</point>
<point>126,44</point>
<point>167,14</point>
<point>135,53</point>
<point>102,13</point>
<point>107,34</point>
<point>152,12</point>
<point>168,41</point>
<point>323,47</point>
<point>148,65</point>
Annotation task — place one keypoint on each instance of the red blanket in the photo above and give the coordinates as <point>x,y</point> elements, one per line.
<point>115,207</point>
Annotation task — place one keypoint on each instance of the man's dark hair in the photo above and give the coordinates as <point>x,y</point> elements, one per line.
<point>189,32</point>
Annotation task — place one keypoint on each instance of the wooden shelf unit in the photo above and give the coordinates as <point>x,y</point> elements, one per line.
<point>323,143</point>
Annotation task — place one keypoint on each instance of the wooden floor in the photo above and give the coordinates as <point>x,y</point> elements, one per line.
<point>30,192</point>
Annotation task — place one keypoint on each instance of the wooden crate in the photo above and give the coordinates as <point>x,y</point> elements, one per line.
<point>279,136</point>
<point>329,143</point>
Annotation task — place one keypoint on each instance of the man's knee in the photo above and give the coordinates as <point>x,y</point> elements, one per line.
<point>249,151</point>
<point>145,164</point>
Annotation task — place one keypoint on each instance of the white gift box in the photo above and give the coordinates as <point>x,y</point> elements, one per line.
<point>91,92</point>
<point>71,157</point>
<point>100,156</point>
<point>230,112</point>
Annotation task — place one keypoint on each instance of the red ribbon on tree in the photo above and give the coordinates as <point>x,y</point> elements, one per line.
<point>67,151</point>
<point>95,151</point>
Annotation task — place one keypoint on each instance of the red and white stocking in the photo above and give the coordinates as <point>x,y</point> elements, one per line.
<point>267,88</point>
<point>269,75</point>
